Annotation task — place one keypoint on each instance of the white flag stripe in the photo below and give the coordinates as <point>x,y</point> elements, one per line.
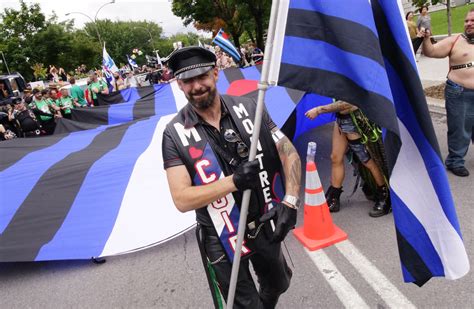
<point>411,182</point>
<point>179,96</point>
<point>278,42</point>
<point>381,285</point>
<point>346,293</point>
<point>146,216</point>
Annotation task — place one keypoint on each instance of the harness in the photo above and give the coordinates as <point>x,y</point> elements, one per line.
<point>460,66</point>
<point>200,156</point>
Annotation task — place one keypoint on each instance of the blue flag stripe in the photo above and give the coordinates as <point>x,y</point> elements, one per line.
<point>398,29</point>
<point>222,83</point>
<point>251,73</point>
<point>165,103</point>
<point>110,173</point>
<point>357,11</point>
<point>120,113</point>
<point>314,25</point>
<point>415,234</point>
<point>35,164</point>
<point>433,164</point>
<point>365,72</point>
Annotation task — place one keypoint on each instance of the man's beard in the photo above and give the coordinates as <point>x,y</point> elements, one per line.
<point>203,104</point>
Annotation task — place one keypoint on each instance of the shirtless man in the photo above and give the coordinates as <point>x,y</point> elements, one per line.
<point>459,91</point>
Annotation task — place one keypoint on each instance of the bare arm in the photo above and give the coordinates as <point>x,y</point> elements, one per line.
<point>291,165</point>
<point>187,197</point>
<point>438,50</point>
<point>337,106</point>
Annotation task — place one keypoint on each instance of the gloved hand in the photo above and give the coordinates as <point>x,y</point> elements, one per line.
<point>285,220</point>
<point>246,175</point>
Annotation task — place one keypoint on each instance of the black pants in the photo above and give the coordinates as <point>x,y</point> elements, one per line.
<point>267,259</point>
<point>416,42</point>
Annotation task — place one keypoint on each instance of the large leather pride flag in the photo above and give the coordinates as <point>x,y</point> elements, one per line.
<point>99,188</point>
<point>363,55</point>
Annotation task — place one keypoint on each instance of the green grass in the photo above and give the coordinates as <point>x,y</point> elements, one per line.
<point>439,19</point>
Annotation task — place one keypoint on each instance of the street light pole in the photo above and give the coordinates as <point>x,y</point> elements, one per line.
<point>5,61</point>
<point>92,21</point>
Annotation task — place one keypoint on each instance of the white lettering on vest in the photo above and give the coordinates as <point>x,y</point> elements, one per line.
<point>228,223</point>
<point>239,110</point>
<point>199,166</point>
<point>233,244</point>
<point>264,179</point>
<point>248,125</point>
<point>267,195</point>
<point>185,134</point>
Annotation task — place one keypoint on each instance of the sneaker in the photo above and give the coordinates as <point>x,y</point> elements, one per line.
<point>459,171</point>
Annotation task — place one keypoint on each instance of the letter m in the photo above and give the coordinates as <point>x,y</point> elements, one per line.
<point>185,134</point>
<point>239,110</point>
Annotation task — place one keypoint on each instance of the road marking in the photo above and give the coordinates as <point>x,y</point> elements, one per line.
<point>343,289</point>
<point>382,286</point>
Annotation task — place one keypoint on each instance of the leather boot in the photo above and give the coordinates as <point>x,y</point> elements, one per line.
<point>332,198</point>
<point>382,202</point>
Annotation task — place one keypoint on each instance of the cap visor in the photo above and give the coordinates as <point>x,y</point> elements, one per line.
<point>194,72</point>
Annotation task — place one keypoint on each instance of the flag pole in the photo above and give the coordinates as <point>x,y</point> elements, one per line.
<point>262,88</point>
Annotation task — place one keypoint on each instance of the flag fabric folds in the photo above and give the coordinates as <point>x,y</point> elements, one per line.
<point>132,63</point>
<point>108,67</point>
<point>363,55</point>
<point>222,40</point>
<point>97,187</point>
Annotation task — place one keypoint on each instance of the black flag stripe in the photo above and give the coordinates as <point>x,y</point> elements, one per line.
<point>60,184</point>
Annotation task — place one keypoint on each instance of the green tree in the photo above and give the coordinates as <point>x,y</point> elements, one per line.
<point>17,31</point>
<point>209,12</point>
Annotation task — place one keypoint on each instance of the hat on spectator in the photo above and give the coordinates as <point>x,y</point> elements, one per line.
<point>16,100</point>
<point>191,61</point>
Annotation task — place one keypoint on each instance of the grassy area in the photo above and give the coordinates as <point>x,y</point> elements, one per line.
<point>439,19</point>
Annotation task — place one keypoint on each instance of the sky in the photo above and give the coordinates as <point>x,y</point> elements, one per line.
<point>158,11</point>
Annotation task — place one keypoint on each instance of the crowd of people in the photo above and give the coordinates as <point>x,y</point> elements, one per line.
<point>36,112</point>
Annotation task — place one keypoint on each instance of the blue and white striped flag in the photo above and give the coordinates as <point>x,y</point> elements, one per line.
<point>363,55</point>
<point>222,40</point>
<point>108,67</point>
<point>132,62</point>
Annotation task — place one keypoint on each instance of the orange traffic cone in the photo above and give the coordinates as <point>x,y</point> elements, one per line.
<point>318,231</point>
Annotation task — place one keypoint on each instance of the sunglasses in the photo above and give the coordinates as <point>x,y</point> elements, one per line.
<point>232,137</point>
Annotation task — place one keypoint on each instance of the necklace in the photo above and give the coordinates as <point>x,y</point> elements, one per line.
<point>469,39</point>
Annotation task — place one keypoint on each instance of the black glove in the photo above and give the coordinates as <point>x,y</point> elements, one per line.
<point>285,220</point>
<point>246,175</point>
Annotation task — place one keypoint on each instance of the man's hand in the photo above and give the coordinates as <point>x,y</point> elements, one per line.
<point>285,217</point>
<point>246,175</point>
<point>312,113</point>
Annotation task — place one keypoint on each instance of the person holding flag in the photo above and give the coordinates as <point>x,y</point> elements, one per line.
<point>96,86</point>
<point>205,154</point>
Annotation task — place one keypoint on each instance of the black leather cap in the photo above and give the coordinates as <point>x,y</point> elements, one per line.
<point>191,61</point>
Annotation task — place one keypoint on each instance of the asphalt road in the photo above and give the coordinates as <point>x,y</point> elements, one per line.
<point>171,275</point>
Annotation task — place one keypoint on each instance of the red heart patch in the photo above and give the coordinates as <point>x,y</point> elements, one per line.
<point>195,152</point>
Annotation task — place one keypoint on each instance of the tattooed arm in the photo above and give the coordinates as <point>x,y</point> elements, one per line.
<point>291,163</point>
<point>338,106</point>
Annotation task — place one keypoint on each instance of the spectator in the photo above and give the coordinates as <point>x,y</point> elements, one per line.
<point>27,95</point>
<point>46,111</point>
<point>62,74</point>
<point>257,55</point>
<point>77,93</point>
<point>66,103</point>
<point>415,36</point>
<point>131,80</point>
<point>423,24</point>
<point>119,83</point>
<point>3,92</point>
<point>6,134</point>
<point>153,76</point>
<point>459,91</point>
<point>95,87</point>
<point>166,75</point>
